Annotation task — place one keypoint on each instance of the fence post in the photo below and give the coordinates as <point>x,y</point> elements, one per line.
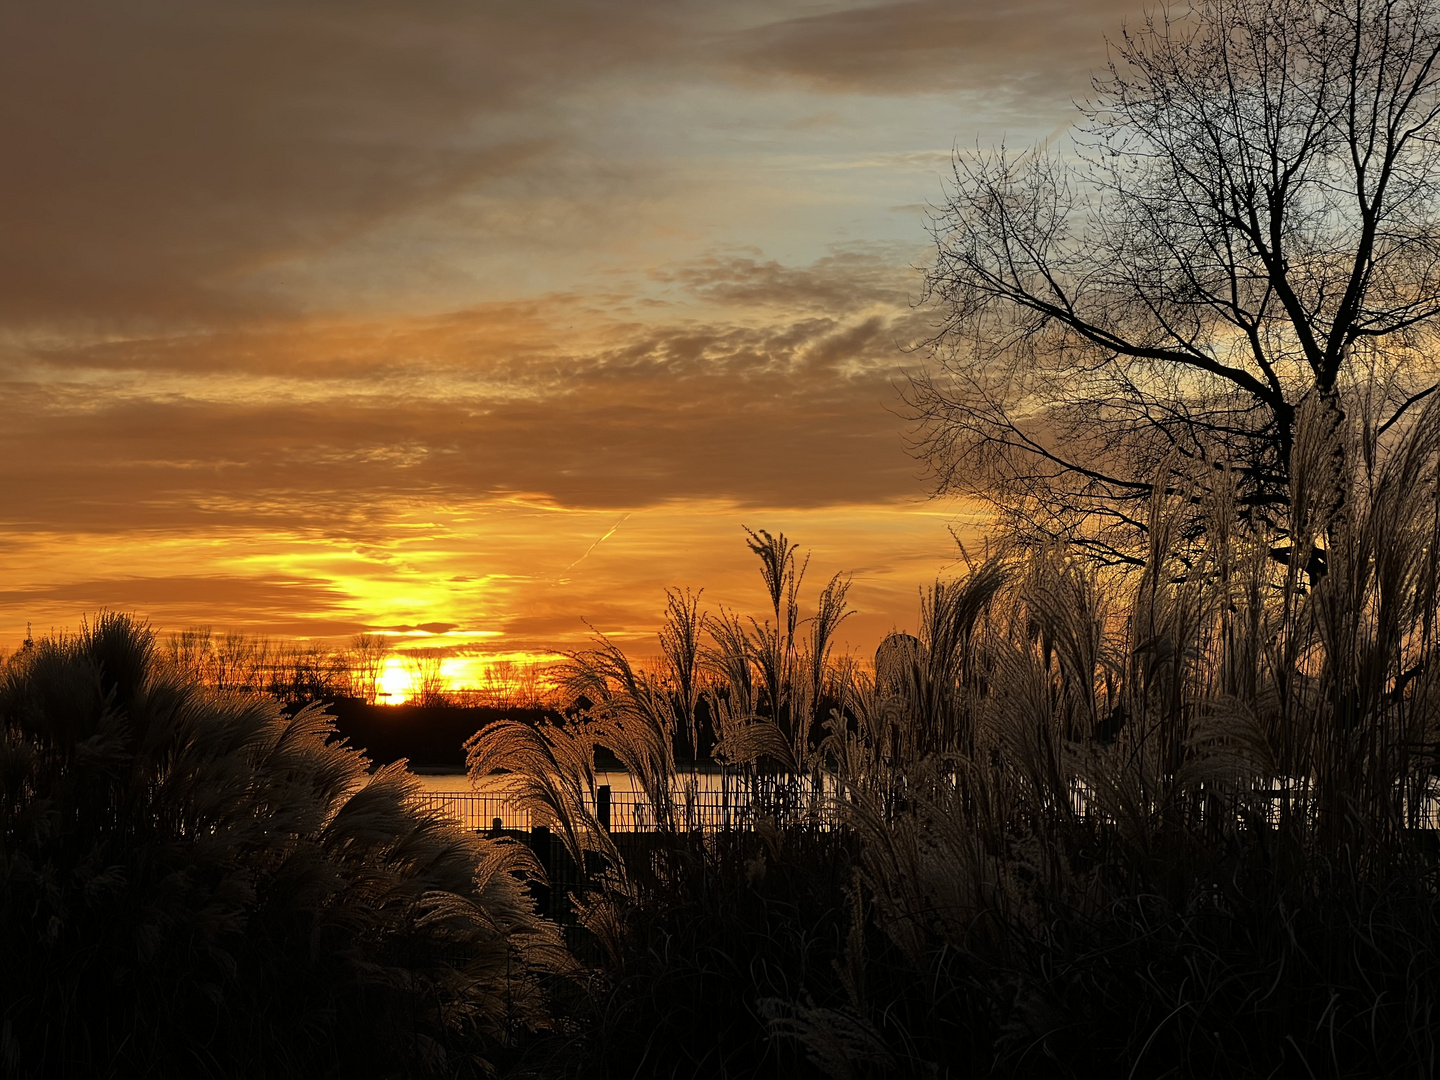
<point>602,806</point>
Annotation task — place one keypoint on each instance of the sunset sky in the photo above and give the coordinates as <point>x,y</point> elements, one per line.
<point>478,321</point>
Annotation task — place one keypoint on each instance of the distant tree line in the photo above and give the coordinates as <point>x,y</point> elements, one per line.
<point>297,672</point>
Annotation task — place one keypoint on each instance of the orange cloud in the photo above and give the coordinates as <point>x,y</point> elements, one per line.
<point>317,318</point>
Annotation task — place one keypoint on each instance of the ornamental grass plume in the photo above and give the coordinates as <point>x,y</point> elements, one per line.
<point>1179,819</point>
<point>195,883</point>
<point>1185,818</point>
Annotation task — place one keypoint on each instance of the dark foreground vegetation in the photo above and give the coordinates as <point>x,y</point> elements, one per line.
<point>195,883</point>
<point>1173,823</point>
<point>1169,823</point>
<point>1175,820</point>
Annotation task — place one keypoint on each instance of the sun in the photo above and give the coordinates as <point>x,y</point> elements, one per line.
<point>394,682</point>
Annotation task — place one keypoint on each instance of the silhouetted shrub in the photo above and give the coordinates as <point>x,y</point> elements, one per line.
<point>196,884</point>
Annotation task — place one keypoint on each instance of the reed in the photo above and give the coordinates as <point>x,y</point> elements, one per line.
<point>1174,818</point>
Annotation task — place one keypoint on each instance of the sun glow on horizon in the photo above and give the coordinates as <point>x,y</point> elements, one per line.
<point>533,577</point>
<point>395,681</point>
<point>463,675</point>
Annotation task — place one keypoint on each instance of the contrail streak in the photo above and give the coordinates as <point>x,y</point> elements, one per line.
<point>609,533</point>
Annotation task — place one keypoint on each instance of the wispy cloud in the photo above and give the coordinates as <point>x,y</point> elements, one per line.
<point>1037,49</point>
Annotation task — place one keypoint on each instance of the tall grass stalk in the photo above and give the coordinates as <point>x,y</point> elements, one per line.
<point>1180,818</point>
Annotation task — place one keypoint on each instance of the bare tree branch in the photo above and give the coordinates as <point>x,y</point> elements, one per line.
<point>1249,216</point>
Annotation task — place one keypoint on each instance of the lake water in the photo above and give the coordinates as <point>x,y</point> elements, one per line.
<point>452,783</point>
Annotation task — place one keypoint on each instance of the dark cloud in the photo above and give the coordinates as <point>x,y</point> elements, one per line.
<point>426,628</point>
<point>301,605</point>
<point>1038,49</point>
<point>159,151</point>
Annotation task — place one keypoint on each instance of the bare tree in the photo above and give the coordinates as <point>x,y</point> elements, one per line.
<point>427,676</point>
<point>499,684</point>
<point>508,684</point>
<point>529,688</point>
<point>1248,221</point>
<point>238,662</point>
<point>306,672</point>
<point>367,664</point>
<point>188,653</point>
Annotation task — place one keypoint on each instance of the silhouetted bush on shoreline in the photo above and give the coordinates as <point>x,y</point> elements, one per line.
<point>194,883</point>
<point>300,672</point>
<point>424,735</point>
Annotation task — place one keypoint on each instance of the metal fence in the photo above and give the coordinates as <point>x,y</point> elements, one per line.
<point>478,811</point>
<point>707,809</point>
<point>735,807</point>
